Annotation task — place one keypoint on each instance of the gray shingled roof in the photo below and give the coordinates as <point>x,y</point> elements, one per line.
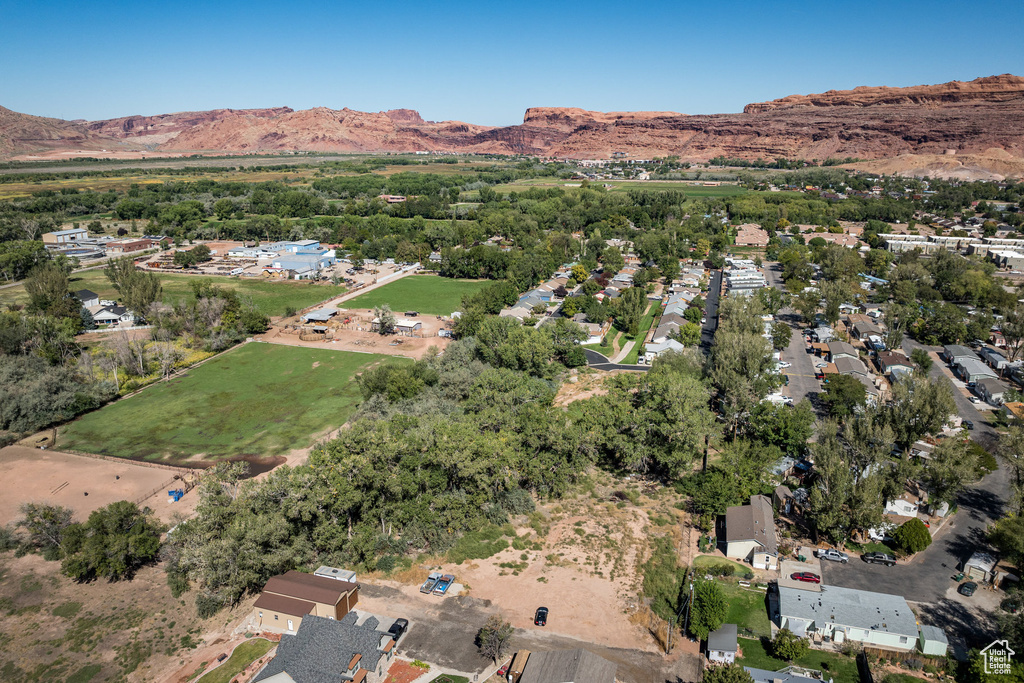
<point>754,522</point>
<point>322,649</point>
<point>784,676</point>
<point>933,633</point>
<point>850,366</point>
<point>841,347</point>
<point>568,666</point>
<point>849,607</point>
<point>723,639</point>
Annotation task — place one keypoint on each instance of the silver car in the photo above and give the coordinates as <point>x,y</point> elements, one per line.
<point>834,555</point>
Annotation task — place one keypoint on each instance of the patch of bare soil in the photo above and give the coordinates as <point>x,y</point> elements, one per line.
<point>582,385</point>
<point>54,627</point>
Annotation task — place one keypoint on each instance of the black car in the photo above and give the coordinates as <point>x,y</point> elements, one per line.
<point>879,558</point>
<point>969,425</point>
<point>968,588</point>
<point>398,628</point>
<point>541,617</point>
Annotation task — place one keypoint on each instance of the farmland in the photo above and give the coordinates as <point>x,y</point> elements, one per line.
<point>427,294</point>
<point>257,401</point>
<point>270,297</point>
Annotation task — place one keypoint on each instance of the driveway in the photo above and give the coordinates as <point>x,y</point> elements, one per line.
<point>802,383</point>
<point>707,333</point>
<point>442,632</point>
<point>927,578</point>
<point>600,362</point>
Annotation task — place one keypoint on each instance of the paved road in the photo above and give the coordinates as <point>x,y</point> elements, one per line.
<point>599,362</point>
<point>707,333</point>
<point>802,383</point>
<point>926,579</point>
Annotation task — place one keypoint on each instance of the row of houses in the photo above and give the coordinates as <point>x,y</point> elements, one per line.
<point>741,277</point>
<point>1005,252</point>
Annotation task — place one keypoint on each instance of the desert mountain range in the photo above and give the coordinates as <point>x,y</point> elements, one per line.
<point>982,121</point>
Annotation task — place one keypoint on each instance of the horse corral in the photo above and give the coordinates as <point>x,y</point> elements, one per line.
<point>356,329</point>
<point>84,483</point>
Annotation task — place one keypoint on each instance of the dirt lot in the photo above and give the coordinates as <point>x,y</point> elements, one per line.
<point>356,335</point>
<point>54,627</point>
<point>83,484</point>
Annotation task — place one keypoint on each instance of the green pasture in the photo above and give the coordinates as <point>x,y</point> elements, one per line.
<point>427,294</point>
<point>259,400</point>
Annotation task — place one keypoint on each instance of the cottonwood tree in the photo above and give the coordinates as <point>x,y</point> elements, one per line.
<point>138,289</point>
<point>922,359</point>
<point>1011,450</point>
<point>728,673</point>
<point>709,608</point>
<point>385,319</point>
<point>830,494</point>
<point>47,288</point>
<point>113,543</point>
<point>45,526</point>
<point>952,467</point>
<point>919,406</point>
<point>494,637</point>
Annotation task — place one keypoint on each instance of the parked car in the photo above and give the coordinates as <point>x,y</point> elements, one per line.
<point>784,364</point>
<point>398,628</point>
<point>504,668</point>
<point>809,577</point>
<point>834,555</point>
<point>430,583</point>
<point>975,400</point>
<point>443,584</point>
<point>968,425</point>
<point>967,589</point>
<point>879,558</point>
<point>541,617</point>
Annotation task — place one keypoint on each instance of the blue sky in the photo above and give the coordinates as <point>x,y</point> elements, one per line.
<point>481,62</point>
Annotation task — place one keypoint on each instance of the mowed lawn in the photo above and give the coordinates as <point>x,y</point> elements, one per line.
<point>429,294</point>
<point>259,400</point>
<point>271,297</point>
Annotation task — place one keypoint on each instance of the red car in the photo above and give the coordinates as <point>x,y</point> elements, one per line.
<point>806,576</point>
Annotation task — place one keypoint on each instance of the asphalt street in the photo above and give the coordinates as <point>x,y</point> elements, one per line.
<point>802,383</point>
<point>707,333</point>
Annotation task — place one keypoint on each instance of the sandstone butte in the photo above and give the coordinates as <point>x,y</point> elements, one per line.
<point>970,128</point>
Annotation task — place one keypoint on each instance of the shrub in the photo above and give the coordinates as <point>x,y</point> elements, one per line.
<point>788,646</point>
<point>912,537</point>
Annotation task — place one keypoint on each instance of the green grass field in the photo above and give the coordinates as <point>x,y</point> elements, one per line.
<point>747,610</point>
<point>270,297</point>
<point>835,666</point>
<point>428,294</point>
<point>259,400</point>
<point>645,326</point>
<point>244,655</point>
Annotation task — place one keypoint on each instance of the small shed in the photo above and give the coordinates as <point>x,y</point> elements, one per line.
<point>722,644</point>
<point>783,499</point>
<point>933,641</point>
<point>320,316</point>
<point>980,566</point>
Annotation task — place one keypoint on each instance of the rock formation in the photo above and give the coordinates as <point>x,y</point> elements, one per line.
<point>974,118</point>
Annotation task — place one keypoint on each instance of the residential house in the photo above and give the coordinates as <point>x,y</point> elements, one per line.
<point>889,360</point>
<point>652,351</point>
<point>994,358</point>
<point>111,315</point>
<point>905,505</point>
<point>991,390</point>
<point>722,644</point>
<point>848,309</point>
<point>955,353</point>
<point>783,467</point>
<point>289,597</point>
<point>1014,410</point>
<point>839,349</point>
<point>88,298</point>
<point>750,533</point>
<point>972,370</point>
<point>865,329</point>
<point>837,614</point>
<point>850,366</point>
<point>823,334</point>
<point>567,666</point>
<point>791,674</point>
<point>328,650</point>
<point>933,641</point>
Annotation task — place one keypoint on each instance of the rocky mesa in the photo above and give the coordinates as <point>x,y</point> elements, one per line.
<point>869,123</point>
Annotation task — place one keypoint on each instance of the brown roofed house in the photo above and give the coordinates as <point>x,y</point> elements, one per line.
<point>288,597</point>
<point>750,533</point>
